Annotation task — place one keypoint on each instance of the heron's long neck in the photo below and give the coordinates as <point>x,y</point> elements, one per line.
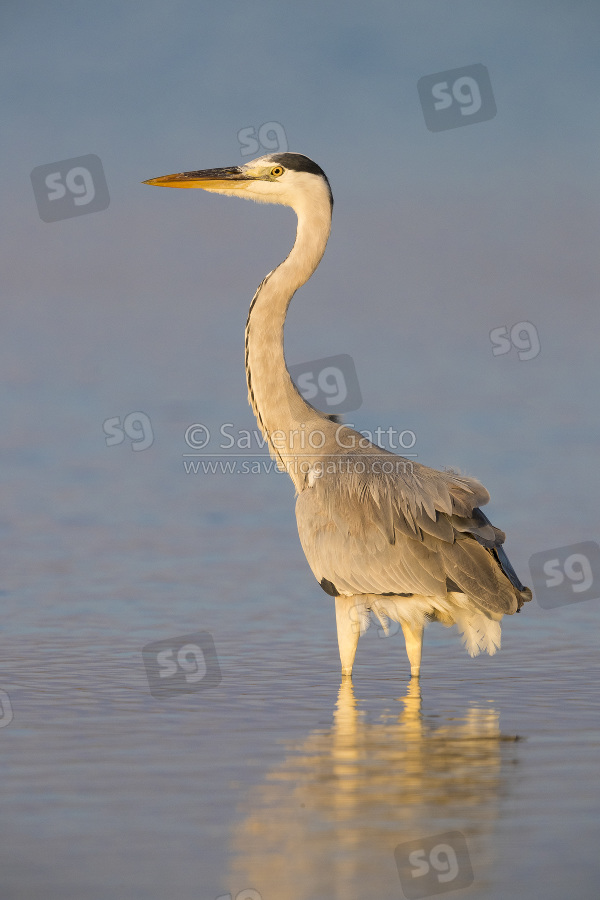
<point>279,408</point>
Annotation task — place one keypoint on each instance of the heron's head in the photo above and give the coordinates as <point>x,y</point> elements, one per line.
<point>285,178</point>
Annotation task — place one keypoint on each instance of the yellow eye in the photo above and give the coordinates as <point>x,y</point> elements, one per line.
<point>277,171</point>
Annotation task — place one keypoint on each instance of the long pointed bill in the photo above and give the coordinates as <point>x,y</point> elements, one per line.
<point>232,178</point>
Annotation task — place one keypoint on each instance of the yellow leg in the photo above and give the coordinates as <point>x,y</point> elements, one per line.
<point>348,631</point>
<point>413,635</point>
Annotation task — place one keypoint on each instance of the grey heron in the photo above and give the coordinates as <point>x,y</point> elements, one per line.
<point>400,542</point>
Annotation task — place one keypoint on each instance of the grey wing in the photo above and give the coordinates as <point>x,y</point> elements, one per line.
<point>416,532</point>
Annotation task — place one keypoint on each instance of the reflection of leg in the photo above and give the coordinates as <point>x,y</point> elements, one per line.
<point>348,631</point>
<point>413,635</point>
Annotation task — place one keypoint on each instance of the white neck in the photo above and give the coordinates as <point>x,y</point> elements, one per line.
<point>282,414</point>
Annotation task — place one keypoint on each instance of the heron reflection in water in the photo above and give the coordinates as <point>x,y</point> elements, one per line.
<point>326,821</point>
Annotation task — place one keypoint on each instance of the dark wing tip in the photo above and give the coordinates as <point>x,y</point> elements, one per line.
<point>523,593</point>
<point>329,588</point>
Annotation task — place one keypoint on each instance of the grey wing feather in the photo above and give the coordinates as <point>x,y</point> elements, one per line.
<point>415,532</point>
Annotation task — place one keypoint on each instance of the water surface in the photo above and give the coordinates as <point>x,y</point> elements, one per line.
<point>280,780</point>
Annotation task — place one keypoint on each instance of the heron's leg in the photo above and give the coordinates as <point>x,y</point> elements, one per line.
<point>348,631</point>
<point>413,635</point>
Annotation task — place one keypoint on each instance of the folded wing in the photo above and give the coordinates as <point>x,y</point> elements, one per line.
<point>412,530</point>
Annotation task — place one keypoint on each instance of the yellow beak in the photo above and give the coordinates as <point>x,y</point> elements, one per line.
<point>232,178</point>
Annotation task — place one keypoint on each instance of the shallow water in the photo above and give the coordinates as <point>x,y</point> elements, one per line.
<point>278,780</point>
